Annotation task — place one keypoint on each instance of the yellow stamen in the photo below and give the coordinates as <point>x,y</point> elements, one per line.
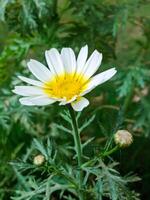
<point>66,86</point>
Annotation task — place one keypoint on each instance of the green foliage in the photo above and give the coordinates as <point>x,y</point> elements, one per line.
<point>11,57</point>
<point>53,175</point>
<point>121,31</point>
<point>136,77</point>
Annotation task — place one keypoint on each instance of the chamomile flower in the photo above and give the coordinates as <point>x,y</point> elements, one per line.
<point>66,79</point>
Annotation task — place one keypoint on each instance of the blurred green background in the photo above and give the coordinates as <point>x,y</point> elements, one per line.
<point>120,29</point>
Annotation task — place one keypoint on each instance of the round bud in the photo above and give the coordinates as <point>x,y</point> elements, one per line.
<point>39,159</point>
<point>123,138</point>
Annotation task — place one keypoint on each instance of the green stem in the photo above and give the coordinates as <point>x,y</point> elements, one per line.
<point>107,153</point>
<point>78,148</point>
<point>128,98</point>
<point>101,155</point>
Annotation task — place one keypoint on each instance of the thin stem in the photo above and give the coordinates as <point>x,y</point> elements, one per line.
<point>101,155</point>
<point>107,153</point>
<point>78,148</point>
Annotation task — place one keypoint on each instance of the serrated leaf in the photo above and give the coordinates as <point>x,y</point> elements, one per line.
<point>87,142</point>
<point>39,146</point>
<point>87,123</point>
<point>61,127</point>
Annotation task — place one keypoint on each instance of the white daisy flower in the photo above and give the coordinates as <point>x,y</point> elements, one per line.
<point>67,80</point>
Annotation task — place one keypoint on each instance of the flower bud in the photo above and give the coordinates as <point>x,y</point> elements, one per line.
<point>39,159</point>
<point>123,138</point>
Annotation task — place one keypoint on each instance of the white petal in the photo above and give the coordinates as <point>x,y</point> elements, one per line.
<point>69,60</point>
<point>39,101</point>
<point>54,61</point>
<point>31,81</point>
<point>39,70</point>
<point>64,101</point>
<point>99,79</point>
<point>80,103</point>
<point>92,64</point>
<point>82,57</point>
<point>28,90</point>
<point>26,101</point>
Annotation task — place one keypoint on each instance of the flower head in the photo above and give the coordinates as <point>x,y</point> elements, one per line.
<point>39,159</point>
<point>123,138</point>
<point>66,80</point>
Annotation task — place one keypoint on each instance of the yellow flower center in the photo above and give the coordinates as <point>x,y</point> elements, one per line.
<point>66,86</point>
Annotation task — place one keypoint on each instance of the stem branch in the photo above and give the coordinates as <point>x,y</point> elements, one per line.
<point>107,153</point>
